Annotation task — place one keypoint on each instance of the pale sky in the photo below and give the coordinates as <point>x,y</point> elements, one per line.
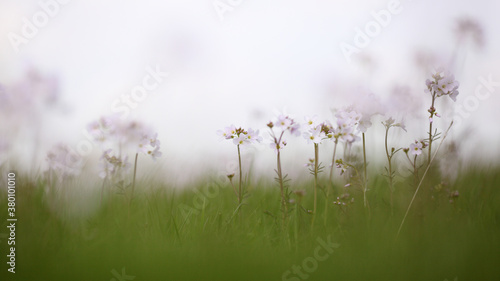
<point>263,56</point>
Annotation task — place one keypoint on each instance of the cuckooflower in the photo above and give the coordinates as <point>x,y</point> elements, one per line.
<point>416,148</point>
<point>443,84</point>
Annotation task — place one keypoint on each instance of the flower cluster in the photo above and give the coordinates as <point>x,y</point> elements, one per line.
<point>341,165</point>
<point>443,84</point>
<point>348,120</point>
<point>114,132</point>
<point>282,123</point>
<point>112,165</point>
<point>239,135</point>
<point>343,200</point>
<point>63,161</point>
<point>317,132</point>
<point>150,145</point>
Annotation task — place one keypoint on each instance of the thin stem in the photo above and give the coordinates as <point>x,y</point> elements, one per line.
<point>239,159</point>
<point>430,129</point>
<point>421,180</point>
<point>297,225</point>
<point>366,176</point>
<point>316,153</point>
<point>389,160</point>
<point>135,173</point>
<point>234,188</point>
<point>284,208</point>
<point>333,160</point>
<point>415,169</point>
<point>102,190</point>
<point>331,181</point>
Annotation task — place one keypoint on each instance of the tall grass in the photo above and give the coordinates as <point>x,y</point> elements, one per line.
<point>178,236</point>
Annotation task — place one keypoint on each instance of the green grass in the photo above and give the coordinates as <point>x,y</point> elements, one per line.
<point>166,235</point>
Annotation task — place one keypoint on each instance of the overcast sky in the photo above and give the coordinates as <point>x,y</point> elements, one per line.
<point>239,65</point>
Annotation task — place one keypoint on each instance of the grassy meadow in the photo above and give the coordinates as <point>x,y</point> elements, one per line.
<point>201,233</point>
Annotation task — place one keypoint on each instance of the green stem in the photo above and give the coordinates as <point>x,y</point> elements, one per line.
<point>316,153</point>
<point>297,226</point>
<point>135,173</point>
<point>239,193</point>
<point>366,178</point>
<point>284,208</point>
<point>415,169</point>
<point>430,129</point>
<point>331,182</point>
<point>333,160</point>
<point>421,180</point>
<point>102,190</point>
<point>389,160</point>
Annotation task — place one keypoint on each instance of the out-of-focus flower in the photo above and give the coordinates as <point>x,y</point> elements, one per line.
<point>150,145</point>
<point>390,122</point>
<point>364,124</point>
<point>339,164</point>
<point>310,163</point>
<point>347,117</point>
<point>443,84</point>
<point>112,165</point>
<point>114,132</point>
<point>63,161</point>
<point>468,27</point>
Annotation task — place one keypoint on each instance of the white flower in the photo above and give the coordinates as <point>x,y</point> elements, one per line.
<point>253,136</point>
<point>64,161</point>
<point>227,133</point>
<point>240,136</point>
<point>283,122</point>
<point>114,132</point>
<point>311,122</point>
<point>112,165</point>
<point>364,124</point>
<point>242,139</point>
<point>278,146</point>
<point>155,152</point>
<point>416,148</point>
<point>443,84</point>
<point>154,141</point>
<point>149,145</point>
<point>347,134</point>
<point>315,135</point>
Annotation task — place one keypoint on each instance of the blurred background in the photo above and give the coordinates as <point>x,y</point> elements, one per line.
<point>64,64</point>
